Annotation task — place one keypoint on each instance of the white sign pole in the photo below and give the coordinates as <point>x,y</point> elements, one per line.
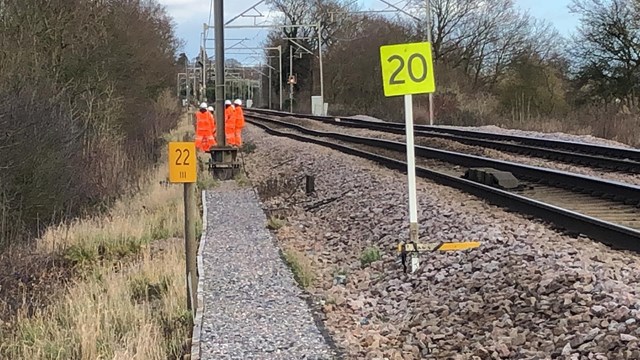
<point>411,172</point>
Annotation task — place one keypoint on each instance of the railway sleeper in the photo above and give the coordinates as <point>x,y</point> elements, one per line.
<point>632,202</point>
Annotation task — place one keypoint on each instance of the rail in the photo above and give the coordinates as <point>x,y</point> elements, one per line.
<point>612,158</point>
<point>614,235</point>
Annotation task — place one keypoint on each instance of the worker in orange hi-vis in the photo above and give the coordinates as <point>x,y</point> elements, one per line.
<point>239,121</point>
<point>230,123</point>
<point>213,124</point>
<point>205,129</point>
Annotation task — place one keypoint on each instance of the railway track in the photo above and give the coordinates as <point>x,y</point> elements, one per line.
<point>611,158</point>
<point>606,211</point>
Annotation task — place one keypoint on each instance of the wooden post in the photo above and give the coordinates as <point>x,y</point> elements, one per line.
<point>310,185</point>
<point>183,167</point>
<point>190,244</point>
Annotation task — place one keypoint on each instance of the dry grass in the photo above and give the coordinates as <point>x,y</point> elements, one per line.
<point>301,267</point>
<point>128,300</point>
<point>153,214</point>
<point>137,312</point>
<point>133,223</point>
<point>205,178</point>
<point>241,179</point>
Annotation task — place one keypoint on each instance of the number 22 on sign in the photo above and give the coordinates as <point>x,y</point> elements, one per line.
<point>182,162</point>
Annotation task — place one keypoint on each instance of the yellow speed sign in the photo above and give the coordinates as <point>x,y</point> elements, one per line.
<point>182,162</point>
<point>407,69</point>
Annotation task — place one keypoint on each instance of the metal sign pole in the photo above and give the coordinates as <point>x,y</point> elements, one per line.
<point>411,173</point>
<point>218,17</point>
<point>269,85</point>
<point>290,77</point>
<point>320,60</point>
<point>429,40</point>
<point>280,72</point>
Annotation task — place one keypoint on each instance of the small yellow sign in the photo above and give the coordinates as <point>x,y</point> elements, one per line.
<point>459,246</point>
<point>182,162</point>
<point>443,246</point>
<point>407,69</point>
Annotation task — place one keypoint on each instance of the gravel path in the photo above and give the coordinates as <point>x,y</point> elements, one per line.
<point>253,307</point>
<point>528,292</point>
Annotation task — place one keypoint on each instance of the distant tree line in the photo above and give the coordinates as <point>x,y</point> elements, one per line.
<point>495,64</point>
<point>83,102</point>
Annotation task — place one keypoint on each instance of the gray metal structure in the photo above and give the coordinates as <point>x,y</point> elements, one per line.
<point>218,18</point>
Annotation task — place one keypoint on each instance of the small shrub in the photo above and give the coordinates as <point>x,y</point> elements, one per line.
<point>274,223</point>
<point>103,248</point>
<point>142,289</point>
<point>248,147</point>
<point>173,326</point>
<point>369,255</point>
<point>160,231</point>
<point>242,180</point>
<point>300,267</point>
<point>206,181</point>
<point>80,255</point>
<point>113,249</point>
<point>340,271</point>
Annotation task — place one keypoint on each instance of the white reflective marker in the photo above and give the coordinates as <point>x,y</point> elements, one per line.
<point>411,169</point>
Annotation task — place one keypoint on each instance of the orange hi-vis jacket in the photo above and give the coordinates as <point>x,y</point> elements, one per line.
<point>230,125</point>
<point>205,130</point>
<point>239,124</point>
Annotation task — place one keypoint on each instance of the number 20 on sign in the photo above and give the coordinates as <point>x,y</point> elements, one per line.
<point>182,162</point>
<point>407,69</point>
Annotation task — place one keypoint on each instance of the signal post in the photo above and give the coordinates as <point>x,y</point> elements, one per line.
<point>407,69</point>
<point>183,169</point>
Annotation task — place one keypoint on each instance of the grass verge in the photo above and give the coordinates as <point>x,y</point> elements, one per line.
<point>138,312</point>
<point>126,298</point>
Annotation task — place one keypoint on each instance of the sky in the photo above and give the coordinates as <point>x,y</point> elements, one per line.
<point>190,15</point>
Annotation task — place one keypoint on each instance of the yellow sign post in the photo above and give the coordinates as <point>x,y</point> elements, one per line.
<point>182,162</point>
<point>183,169</point>
<point>407,69</point>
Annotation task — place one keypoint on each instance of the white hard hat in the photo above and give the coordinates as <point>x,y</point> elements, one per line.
<point>210,108</point>
<point>203,105</point>
<point>227,102</point>
<point>238,102</point>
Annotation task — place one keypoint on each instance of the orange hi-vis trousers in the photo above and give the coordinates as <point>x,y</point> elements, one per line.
<point>230,126</point>
<point>239,125</point>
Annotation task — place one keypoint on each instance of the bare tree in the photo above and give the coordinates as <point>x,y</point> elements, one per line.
<point>82,104</point>
<point>607,49</point>
<point>327,21</point>
<point>482,37</point>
